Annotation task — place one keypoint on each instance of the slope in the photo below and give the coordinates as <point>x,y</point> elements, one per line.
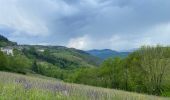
<point>15,86</point>
<point>60,56</point>
<point>5,42</point>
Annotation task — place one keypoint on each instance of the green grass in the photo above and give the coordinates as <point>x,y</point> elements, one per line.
<point>20,87</point>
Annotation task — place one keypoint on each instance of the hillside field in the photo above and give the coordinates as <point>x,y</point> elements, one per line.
<point>35,87</point>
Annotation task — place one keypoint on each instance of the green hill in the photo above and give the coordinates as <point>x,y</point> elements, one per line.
<point>54,61</point>
<point>60,56</point>
<point>5,42</point>
<point>21,87</point>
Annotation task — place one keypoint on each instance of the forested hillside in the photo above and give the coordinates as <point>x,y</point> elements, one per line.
<point>5,42</point>
<point>54,61</point>
<point>60,56</point>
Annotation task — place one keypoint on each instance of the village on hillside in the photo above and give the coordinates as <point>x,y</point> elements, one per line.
<point>9,50</point>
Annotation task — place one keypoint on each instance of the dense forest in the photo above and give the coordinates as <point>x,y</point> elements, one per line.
<point>146,70</point>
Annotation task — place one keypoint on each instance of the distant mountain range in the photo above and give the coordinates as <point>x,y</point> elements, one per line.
<point>107,53</point>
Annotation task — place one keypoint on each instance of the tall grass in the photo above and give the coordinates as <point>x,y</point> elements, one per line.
<point>19,87</point>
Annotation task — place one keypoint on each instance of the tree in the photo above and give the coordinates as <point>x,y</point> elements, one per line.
<point>47,52</point>
<point>18,64</point>
<point>155,64</point>
<point>35,67</point>
<point>111,73</point>
<point>3,61</point>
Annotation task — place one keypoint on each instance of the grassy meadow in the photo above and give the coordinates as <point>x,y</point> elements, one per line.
<point>30,87</point>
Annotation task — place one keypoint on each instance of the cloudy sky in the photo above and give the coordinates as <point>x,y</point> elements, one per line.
<point>87,24</point>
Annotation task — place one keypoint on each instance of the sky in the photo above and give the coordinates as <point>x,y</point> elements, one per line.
<point>87,24</point>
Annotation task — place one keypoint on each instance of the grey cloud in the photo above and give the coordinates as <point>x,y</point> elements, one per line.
<point>60,21</point>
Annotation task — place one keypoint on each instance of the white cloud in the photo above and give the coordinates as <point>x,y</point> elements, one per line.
<point>154,36</point>
<point>79,42</point>
<point>159,34</point>
<point>114,24</point>
<point>11,16</point>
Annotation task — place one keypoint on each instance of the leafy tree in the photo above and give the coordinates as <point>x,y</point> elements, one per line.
<point>35,67</point>
<point>3,61</point>
<point>155,64</point>
<point>18,64</point>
